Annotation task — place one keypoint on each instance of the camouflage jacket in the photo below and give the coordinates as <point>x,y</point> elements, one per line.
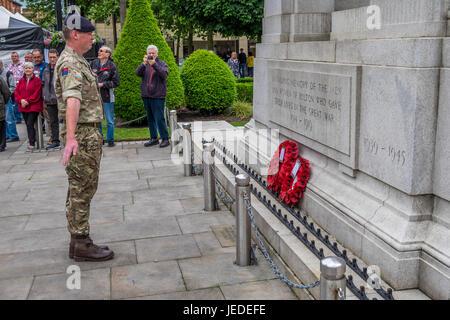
<point>74,78</point>
<point>4,98</point>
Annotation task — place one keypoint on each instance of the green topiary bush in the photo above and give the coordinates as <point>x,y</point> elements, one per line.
<point>245,91</point>
<point>209,85</point>
<point>140,30</point>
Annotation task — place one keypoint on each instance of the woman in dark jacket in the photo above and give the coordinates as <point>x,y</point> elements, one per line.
<point>28,94</point>
<point>108,79</point>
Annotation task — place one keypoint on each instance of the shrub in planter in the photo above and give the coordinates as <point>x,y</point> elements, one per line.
<point>140,30</point>
<point>209,85</point>
<point>245,91</point>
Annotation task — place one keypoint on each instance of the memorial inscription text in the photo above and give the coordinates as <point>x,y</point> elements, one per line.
<point>315,105</point>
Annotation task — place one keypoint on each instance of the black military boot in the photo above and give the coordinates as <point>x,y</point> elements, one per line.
<point>72,245</point>
<point>86,250</point>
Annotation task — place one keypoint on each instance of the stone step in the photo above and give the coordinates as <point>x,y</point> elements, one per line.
<point>303,264</point>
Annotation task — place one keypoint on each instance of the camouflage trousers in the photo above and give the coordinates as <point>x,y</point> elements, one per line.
<point>82,172</point>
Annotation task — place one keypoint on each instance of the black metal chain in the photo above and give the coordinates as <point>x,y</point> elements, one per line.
<point>360,293</point>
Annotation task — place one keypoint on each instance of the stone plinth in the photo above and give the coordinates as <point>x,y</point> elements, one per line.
<point>370,109</point>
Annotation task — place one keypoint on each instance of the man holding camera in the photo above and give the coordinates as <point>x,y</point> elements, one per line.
<point>154,74</point>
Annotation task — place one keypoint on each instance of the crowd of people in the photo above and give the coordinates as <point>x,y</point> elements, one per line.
<point>241,65</point>
<point>31,92</point>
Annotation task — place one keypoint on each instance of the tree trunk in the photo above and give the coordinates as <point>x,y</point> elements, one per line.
<point>190,42</point>
<point>210,40</point>
<point>114,22</point>
<point>123,12</point>
<point>177,52</point>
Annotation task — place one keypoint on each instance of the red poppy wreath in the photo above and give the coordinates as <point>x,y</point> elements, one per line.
<point>294,182</point>
<point>282,161</point>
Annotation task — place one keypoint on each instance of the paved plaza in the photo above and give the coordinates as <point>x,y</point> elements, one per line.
<point>166,246</point>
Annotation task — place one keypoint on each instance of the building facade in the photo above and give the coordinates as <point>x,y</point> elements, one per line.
<point>12,6</point>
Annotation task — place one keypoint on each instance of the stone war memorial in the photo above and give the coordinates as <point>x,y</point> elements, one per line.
<point>363,87</point>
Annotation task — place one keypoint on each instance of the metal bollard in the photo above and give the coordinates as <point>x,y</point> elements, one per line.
<point>332,278</point>
<point>209,186</point>
<point>40,133</point>
<point>173,127</point>
<point>187,149</point>
<point>243,226</point>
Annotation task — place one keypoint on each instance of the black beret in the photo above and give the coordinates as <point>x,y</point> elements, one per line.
<point>79,23</point>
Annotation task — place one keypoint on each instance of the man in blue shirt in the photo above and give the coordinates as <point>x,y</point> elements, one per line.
<point>39,63</point>
<point>39,66</point>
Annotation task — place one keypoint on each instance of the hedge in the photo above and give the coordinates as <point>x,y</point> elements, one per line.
<point>209,85</point>
<point>244,80</point>
<point>140,30</point>
<point>245,91</point>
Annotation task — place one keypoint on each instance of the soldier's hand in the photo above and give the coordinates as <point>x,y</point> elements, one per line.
<point>69,150</point>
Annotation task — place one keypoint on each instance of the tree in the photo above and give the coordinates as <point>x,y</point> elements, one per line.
<point>43,11</point>
<point>140,30</point>
<point>174,26</point>
<point>227,17</point>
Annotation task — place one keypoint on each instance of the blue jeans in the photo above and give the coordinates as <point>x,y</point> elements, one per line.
<point>108,109</point>
<point>11,130</point>
<point>242,67</point>
<point>17,114</point>
<point>155,117</point>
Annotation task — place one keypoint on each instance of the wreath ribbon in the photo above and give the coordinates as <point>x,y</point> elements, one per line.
<point>282,161</point>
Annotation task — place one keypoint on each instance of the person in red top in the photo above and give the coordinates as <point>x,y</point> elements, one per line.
<point>28,94</point>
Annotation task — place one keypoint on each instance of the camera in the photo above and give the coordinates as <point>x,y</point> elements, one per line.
<point>150,57</point>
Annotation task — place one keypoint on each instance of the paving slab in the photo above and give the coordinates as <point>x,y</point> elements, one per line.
<point>112,164</point>
<point>98,216</point>
<point>113,199</point>
<point>162,172</point>
<point>14,195</point>
<point>193,204</point>
<point>15,289</point>
<point>166,248</point>
<point>139,229</point>
<point>117,174</point>
<point>43,193</point>
<point>156,183</point>
<point>56,261</point>
<point>146,279</point>
<point>202,222</point>
<point>13,224</point>
<point>258,290</point>
<point>121,186</point>
<point>33,183</point>
<point>226,234</point>
<point>202,294</point>
<point>212,270</point>
<point>152,154</point>
<point>95,285</point>
<point>15,176</point>
<point>154,208</point>
<point>17,208</point>
<point>208,244</point>
<point>175,192</point>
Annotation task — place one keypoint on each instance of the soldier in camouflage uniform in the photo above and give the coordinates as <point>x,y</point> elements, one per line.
<point>81,112</point>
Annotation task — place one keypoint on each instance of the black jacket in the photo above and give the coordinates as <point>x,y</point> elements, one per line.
<point>108,75</point>
<point>158,87</point>
<point>48,89</point>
